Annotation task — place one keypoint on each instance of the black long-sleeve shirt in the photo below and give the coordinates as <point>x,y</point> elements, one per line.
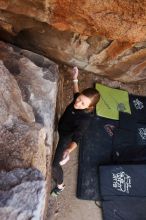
<point>74,121</point>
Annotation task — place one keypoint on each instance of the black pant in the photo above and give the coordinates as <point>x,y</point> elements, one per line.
<point>64,140</point>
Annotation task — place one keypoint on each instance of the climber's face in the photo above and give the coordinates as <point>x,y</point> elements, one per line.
<point>82,102</point>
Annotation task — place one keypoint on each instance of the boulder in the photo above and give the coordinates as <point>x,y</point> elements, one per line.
<point>22,194</point>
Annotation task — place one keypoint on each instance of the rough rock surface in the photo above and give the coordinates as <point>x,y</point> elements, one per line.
<point>28,89</point>
<point>31,87</point>
<point>11,99</point>
<point>38,83</point>
<point>103,37</point>
<point>113,18</point>
<point>22,194</point>
<point>22,145</point>
<point>23,104</point>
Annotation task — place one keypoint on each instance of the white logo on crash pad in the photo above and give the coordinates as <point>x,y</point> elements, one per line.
<point>142,133</point>
<point>121,181</point>
<point>138,104</point>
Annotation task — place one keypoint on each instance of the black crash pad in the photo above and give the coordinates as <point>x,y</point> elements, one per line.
<point>138,107</point>
<point>123,181</point>
<point>129,146</point>
<point>95,149</point>
<point>127,121</point>
<point>129,154</point>
<point>129,209</point>
<point>97,146</point>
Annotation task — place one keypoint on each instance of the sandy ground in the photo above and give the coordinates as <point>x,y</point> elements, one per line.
<point>67,206</point>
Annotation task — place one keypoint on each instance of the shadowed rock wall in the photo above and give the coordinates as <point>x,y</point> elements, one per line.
<point>28,89</point>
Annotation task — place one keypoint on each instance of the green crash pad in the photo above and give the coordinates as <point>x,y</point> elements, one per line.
<point>112,101</point>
